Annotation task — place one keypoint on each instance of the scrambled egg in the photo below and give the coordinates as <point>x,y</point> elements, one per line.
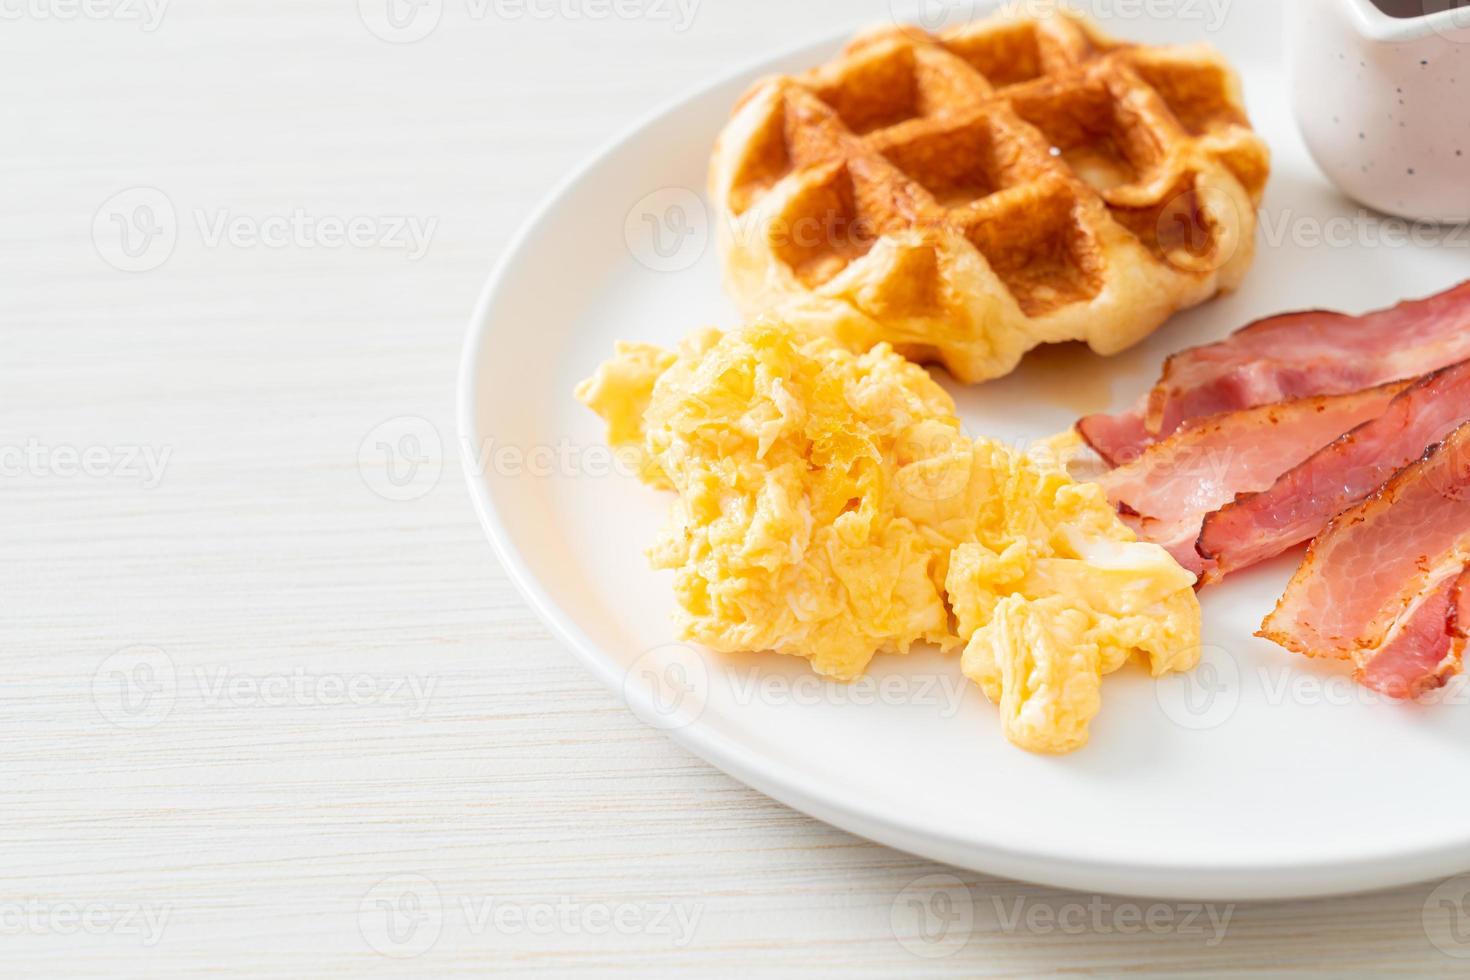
<point>829,507</point>
<point>804,524</point>
<point>1054,593</point>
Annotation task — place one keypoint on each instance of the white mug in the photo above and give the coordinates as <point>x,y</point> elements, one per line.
<point>1383,101</point>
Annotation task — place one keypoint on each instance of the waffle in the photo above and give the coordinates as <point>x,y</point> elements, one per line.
<point>968,195</point>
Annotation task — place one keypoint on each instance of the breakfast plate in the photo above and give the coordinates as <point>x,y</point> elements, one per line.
<point>1260,774</point>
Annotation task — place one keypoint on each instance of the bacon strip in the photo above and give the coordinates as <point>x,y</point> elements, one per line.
<point>1293,355</point>
<point>1119,439</point>
<point>1175,483</point>
<point>1369,577</point>
<point>1257,526</point>
<point>1426,648</point>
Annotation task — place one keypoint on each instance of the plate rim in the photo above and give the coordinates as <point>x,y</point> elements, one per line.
<point>1200,880</point>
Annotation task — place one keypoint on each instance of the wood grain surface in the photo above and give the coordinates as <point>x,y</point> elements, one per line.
<point>271,713</point>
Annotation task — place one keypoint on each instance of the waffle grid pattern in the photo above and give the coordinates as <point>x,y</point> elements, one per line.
<point>1076,168</point>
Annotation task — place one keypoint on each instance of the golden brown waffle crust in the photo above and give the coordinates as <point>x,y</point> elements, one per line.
<point>969,195</point>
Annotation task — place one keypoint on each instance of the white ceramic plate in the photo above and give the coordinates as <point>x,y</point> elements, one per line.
<point>1261,775</point>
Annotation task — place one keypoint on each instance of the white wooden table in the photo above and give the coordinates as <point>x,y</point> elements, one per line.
<point>265,715</point>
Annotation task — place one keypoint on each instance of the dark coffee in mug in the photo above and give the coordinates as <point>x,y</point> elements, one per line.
<point>1417,8</point>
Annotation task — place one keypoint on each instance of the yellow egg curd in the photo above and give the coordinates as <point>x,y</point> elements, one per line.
<point>829,507</point>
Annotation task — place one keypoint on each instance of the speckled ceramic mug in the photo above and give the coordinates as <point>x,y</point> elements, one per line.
<point>1381,90</point>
